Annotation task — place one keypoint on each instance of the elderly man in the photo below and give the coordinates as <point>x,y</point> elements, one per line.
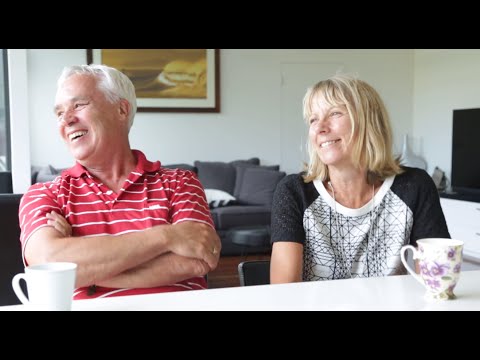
<point>135,226</point>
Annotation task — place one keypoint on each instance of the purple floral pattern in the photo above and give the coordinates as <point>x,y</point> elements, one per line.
<point>440,269</point>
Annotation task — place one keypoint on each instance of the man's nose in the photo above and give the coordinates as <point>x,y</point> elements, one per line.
<point>69,117</point>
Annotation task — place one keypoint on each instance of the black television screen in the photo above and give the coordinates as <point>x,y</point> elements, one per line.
<point>466,151</point>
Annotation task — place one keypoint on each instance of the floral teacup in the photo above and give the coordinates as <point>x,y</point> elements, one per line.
<point>439,261</point>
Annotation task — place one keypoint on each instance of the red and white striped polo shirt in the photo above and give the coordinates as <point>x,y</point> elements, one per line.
<point>150,196</point>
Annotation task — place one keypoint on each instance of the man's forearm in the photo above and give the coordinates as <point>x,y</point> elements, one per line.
<point>106,257</point>
<point>98,258</point>
<point>165,269</point>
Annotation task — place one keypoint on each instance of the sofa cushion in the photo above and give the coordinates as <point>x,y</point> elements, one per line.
<point>46,174</point>
<point>216,175</point>
<point>251,161</point>
<point>220,175</point>
<point>240,173</point>
<point>34,171</point>
<point>258,186</point>
<point>54,171</point>
<point>240,215</point>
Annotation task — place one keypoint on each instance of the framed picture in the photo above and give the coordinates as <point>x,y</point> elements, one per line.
<point>168,80</point>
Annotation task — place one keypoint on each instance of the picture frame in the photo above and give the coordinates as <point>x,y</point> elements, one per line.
<point>168,80</point>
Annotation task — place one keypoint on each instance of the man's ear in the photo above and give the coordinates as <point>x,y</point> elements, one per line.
<point>124,108</point>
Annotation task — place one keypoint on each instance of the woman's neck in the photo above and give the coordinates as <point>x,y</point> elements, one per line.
<point>351,189</point>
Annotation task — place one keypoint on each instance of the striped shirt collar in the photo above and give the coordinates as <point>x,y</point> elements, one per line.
<point>143,166</point>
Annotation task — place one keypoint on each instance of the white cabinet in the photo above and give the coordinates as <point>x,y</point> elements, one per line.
<point>463,220</point>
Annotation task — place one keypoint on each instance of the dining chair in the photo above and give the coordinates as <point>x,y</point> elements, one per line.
<point>11,261</point>
<point>254,272</point>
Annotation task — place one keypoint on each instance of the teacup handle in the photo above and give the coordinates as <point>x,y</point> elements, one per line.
<point>405,263</point>
<point>18,290</point>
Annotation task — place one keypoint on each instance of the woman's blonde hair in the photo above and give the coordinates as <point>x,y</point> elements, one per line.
<point>371,131</point>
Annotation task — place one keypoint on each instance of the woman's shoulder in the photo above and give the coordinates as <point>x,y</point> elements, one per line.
<point>411,174</point>
<point>293,178</point>
<point>292,189</point>
<point>413,180</point>
<point>293,183</point>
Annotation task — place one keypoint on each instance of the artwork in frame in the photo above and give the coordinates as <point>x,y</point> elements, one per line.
<point>168,80</point>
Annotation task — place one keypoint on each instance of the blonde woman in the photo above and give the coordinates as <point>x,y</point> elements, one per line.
<point>349,214</point>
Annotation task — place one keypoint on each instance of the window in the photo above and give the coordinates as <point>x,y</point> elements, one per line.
<point>4,114</point>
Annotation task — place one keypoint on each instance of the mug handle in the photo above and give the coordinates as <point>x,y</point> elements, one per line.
<point>405,263</point>
<point>18,290</point>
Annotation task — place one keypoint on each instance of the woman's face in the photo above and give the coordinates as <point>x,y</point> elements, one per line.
<point>330,132</point>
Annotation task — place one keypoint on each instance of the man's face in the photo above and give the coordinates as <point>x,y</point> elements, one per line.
<point>87,121</point>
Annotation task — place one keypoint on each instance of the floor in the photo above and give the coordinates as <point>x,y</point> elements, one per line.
<point>226,273</point>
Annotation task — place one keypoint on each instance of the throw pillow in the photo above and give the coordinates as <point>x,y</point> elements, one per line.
<point>54,171</point>
<point>240,173</point>
<point>253,161</point>
<point>34,170</point>
<point>45,174</point>
<point>258,186</point>
<point>218,174</point>
<point>217,198</point>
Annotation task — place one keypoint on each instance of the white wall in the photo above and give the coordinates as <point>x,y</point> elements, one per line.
<point>249,123</point>
<point>44,67</point>
<point>19,114</point>
<point>444,80</point>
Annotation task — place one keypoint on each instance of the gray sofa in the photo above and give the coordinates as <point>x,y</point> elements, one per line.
<point>251,184</point>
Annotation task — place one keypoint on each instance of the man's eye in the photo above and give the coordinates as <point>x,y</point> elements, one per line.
<point>79,105</point>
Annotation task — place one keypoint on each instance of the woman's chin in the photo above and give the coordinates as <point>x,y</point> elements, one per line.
<point>329,159</point>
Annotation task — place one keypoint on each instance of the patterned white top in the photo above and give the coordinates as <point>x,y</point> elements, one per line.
<point>340,242</point>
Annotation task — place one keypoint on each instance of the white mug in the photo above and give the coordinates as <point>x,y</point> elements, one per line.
<point>50,286</point>
<point>440,261</point>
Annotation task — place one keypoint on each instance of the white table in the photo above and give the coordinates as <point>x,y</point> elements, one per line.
<point>384,293</point>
